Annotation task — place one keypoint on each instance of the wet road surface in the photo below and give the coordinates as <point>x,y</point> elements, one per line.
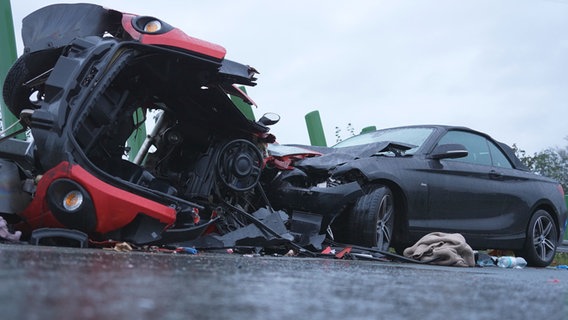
<point>69,283</point>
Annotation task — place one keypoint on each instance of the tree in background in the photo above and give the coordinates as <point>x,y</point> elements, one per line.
<point>551,162</point>
<point>350,132</point>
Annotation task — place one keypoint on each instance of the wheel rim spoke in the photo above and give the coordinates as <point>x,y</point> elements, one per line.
<point>538,227</point>
<point>548,244</point>
<point>541,250</point>
<point>543,238</point>
<point>384,232</point>
<point>547,230</point>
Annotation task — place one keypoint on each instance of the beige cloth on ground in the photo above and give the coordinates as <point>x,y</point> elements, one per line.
<point>446,249</point>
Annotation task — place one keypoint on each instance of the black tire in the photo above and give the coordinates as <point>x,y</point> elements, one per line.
<point>542,240</point>
<point>26,67</point>
<point>371,222</point>
<point>15,95</point>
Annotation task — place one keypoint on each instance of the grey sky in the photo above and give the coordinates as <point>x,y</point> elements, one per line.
<point>498,66</point>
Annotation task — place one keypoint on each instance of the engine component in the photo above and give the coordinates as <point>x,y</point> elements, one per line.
<point>239,165</point>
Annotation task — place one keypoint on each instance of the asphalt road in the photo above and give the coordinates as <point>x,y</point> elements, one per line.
<point>69,283</point>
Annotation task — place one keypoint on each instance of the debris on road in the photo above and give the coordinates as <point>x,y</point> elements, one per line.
<point>5,232</point>
<point>442,249</point>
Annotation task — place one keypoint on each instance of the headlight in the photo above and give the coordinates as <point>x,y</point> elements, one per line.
<point>153,26</point>
<point>150,25</point>
<point>71,205</point>
<point>73,200</point>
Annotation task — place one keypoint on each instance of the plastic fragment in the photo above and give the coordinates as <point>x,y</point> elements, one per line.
<point>326,250</point>
<point>485,260</point>
<point>6,234</point>
<point>562,266</point>
<point>290,253</point>
<point>188,250</point>
<point>122,247</point>
<point>343,252</point>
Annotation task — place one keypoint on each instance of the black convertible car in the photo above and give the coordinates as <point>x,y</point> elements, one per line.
<point>421,179</point>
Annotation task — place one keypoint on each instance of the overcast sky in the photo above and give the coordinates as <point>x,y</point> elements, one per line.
<point>498,66</point>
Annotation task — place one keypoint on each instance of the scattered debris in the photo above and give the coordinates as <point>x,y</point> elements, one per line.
<point>447,249</point>
<point>122,247</point>
<point>511,262</point>
<point>485,260</point>
<point>5,232</point>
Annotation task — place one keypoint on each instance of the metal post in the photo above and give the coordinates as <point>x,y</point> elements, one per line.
<point>245,108</point>
<point>7,57</point>
<point>368,129</point>
<point>315,129</point>
<point>149,139</point>
<point>566,233</point>
<point>136,139</point>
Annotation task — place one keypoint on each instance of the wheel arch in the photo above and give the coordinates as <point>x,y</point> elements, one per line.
<point>548,207</point>
<point>369,181</point>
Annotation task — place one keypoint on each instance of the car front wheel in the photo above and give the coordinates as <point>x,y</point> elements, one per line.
<point>371,221</point>
<point>24,84</point>
<point>541,241</point>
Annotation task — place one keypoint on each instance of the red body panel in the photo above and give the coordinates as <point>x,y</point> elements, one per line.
<point>174,38</point>
<point>114,207</point>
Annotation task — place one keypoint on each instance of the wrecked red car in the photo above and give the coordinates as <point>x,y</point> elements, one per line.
<point>89,79</point>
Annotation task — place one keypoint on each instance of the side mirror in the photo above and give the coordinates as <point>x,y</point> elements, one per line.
<point>269,119</point>
<point>449,151</point>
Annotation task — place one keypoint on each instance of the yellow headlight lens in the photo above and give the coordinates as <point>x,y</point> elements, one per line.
<point>72,200</point>
<point>152,26</point>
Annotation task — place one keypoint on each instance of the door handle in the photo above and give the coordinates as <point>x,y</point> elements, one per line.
<point>495,175</point>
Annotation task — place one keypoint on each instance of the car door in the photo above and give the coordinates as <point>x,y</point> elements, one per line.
<point>469,195</point>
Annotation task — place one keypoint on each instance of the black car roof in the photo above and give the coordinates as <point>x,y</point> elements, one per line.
<point>509,152</point>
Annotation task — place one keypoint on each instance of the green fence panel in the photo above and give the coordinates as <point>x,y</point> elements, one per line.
<point>368,129</point>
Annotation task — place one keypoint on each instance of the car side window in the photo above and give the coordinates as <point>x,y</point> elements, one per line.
<point>477,147</point>
<point>498,158</point>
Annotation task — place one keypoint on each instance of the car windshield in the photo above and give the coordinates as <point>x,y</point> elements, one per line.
<point>414,136</point>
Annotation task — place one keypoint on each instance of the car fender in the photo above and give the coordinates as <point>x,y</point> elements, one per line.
<point>558,212</point>
<point>370,170</point>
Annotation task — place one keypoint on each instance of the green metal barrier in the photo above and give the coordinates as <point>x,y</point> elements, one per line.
<point>315,129</point>
<point>245,108</point>
<point>368,129</point>
<point>7,58</point>
<point>137,137</point>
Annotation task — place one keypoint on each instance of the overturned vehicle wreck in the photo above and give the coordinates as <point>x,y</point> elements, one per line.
<point>89,79</point>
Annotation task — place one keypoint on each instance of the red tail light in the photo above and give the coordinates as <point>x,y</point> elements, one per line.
<point>560,189</point>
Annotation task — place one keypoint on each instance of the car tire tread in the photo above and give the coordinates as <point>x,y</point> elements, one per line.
<point>362,222</point>
<point>541,240</point>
